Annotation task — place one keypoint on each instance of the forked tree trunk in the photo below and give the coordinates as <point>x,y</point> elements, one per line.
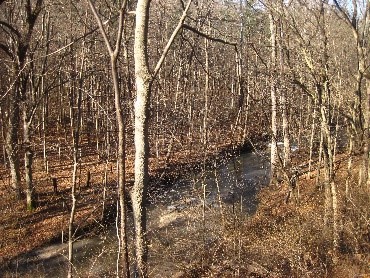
<point>19,54</point>
<point>122,260</point>
<point>143,90</point>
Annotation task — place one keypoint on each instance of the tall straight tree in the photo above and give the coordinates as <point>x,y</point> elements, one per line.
<point>274,150</point>
<point>324,95</point>
<point>30,102</point>
<point>144,80</point>
<point>76,109</point>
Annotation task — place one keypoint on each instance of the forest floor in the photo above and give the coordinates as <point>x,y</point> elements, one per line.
<point>279,240</point>
<point>22,231</point>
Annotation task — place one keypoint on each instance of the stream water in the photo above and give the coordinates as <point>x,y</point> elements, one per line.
<point>233,182</point>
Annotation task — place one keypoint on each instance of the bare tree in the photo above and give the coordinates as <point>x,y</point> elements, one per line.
<point>274,131</point>
<point>359,23</point>
<point>144,80</point>
<point>114,54</point>
<point>17,48</point>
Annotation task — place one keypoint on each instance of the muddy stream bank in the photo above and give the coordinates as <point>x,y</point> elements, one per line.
<point>176,222</point>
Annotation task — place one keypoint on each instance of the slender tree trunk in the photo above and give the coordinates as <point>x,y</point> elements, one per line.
<point>72,213</point>
<point>336,218</point>
<point>3,136</point>
<point>76,135</point>
<point>286,132</point>
<point>285,129</point>
<point>12,153</point>
<point>28,157</point>
<point>123,262</point>
<point>12,147</point>
<point>206,92</point>
<point>319,162</point>
<point>312,137</point>
<point>274,150</point>
<point>76,115</point>
<point>44,119</point>
<point>327,168</point>
<point>349,165</point>
<point>364,178</point>
<point>125,272</point>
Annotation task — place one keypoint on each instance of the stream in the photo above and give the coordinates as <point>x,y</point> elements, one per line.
<point>171,212</point>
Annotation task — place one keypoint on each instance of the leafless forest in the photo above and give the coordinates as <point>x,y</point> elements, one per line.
<point>107,107</point>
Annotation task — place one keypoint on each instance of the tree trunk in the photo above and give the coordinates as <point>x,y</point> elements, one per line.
<point>206,92</point>
<point>143,87</point>
<point>364,177</point>
<point>274,150</point>
<point>72,215</point>
<point>28,157</point>
<point>285,129</point>
<point>122,261</point>
<point>312,137</point>
<point>12,147</point>
<point>76,115</point>
<point>121,156</point>
<point>143,90</point>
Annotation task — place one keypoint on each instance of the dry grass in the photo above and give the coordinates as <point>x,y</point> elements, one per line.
<point>289,240</point>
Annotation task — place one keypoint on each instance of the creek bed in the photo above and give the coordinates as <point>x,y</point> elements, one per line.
<point>173,217</point>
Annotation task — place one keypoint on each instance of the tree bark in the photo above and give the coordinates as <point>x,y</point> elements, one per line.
<point>28,157</point>
<point>274,150</point>
<point>12,147</point>
<point>144,81</point>
<point>123,261</point>
<point>76,115</point>
<point>143,90</point>
<point>283,95</point>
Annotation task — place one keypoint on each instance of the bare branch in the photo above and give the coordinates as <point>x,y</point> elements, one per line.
<point>11,28</point>
<point>120,28</point>
<point>170,41</point>
<point>182,4</point>
<point>185,26</point>
<point>101,27</point>
<point>304,88</point>
<point>51,54</point>
<point>6,50</point>
<point>345,15</point>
